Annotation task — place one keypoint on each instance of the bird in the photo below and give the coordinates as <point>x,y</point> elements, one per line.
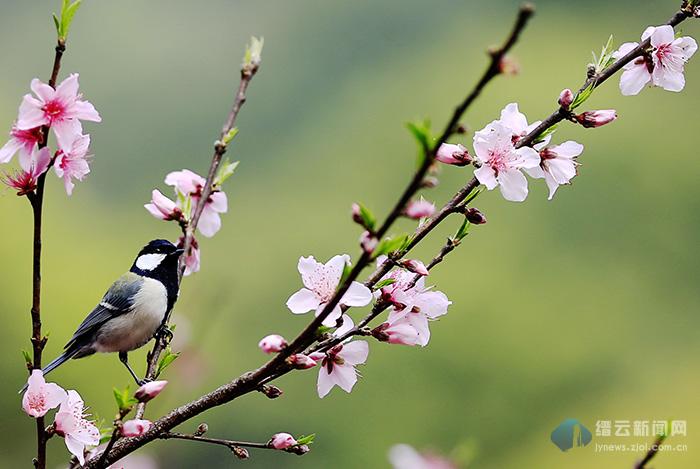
<point>132,311</point>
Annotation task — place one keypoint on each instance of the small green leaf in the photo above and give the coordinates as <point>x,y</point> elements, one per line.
<point>323,330</point>
<point>226,170</point>
<point>306,440</point>
<point>384,283</point>
<point>475,192</point>
<point>369,221</point>
<point>545,133</point>
<point>67,17</point>
<point>389,245</point>
<point>253,52</point>
<point>57,23</point>
<point>124,400</point>
<point>230,135</point>
<point>423,135</point>
<point>582,97</point>
<point>27,357</point>
<point>165,361</point>
<point>347,268</point>
<point>463,230</point>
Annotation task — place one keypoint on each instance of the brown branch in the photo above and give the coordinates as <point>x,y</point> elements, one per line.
<point>651,453</point>
<point>216,441</point>
<point>248,71</point>
<point>37,201</point>
<point>115,434</point>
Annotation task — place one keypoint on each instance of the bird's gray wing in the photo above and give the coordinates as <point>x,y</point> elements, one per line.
<point>118,300</point>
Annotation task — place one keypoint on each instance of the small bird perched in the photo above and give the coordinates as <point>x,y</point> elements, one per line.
<point>132,311</point>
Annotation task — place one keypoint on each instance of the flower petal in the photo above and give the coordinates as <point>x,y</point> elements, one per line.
<point>662,35</point>
<point>633,79</point>
<point>209,222</point>
<point>513,185</point>
<point>30,114</point>
<point>355,352</point>
<point>325,382</point>
<point>487,176</point>
<point>303,301</point>
<point>357,295</point>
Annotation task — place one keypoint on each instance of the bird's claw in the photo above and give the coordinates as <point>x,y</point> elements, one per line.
<point>164,333</point>
<point>143,381</point>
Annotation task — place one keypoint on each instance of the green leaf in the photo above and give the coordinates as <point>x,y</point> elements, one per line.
<point>463,230</point>
<point>27,357</point>
<point>347,268</point>
<point>226,170</point>
<point>67,17</point>
<point>384,283</point>
<point>323,330</point>
<point>57,23</point>
<point>545,133</point>
<point>478,190</point>
<point>165,361</point>
<point>306,440</point>
<point>423,135</point>
<point>124,400</point>
<point>582,97</point>
<point>389,245</point>
<point>230,135</point>
<point>253,52</point>
<point>369,221</point>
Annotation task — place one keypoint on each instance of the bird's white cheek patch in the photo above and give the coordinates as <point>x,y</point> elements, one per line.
<point>149,261</point>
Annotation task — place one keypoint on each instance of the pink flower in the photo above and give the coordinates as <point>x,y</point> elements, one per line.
<point>368,242</point>
<point>282,441</point>
<point>149,390</point>
<point>70,423</point>
<point>415,266</point>
<point>136,427</point>
<point>24,141</point>
<point>406,457</point>
<point>501,163</point>
<point>418,209</point>
<point>515,121</point>
<point>452,154</point>
<point>558,165</point>
<point>301,361</point>
<point>191,183</point>
<point>192,258</point>
<point>40,396</point>
<point>566,97</point>
<point>59,109</point>
<point>663,66</point>
<point>415,305</point>
<point>25,180</point>
<point>162,207</point>
<point>400,332</point>
<point>71,162</point>
<point>272,343</point>
<point>599,118</point>
<point>320,284</point>
<point>338,366</point>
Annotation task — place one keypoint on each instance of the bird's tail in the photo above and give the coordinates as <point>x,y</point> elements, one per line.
<point>58,361</point>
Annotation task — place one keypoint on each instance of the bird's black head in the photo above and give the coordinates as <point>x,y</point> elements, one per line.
<point>158,260</point>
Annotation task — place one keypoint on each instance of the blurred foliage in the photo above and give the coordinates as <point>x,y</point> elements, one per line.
<point>582,307</point>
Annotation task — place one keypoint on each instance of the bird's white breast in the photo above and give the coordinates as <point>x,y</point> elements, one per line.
<point>135,328</point>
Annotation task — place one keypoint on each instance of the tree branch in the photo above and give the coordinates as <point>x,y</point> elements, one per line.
<point>651,453</point>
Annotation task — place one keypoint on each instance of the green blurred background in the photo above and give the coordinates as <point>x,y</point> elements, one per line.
<point>582,307</point>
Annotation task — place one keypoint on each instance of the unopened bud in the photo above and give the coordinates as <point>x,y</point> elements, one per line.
<point>201,429</point>
<point>356,215</point>
<point>509,66</point>
<point>590,119</point>
<point>566,97</point>
<point>272,392</point>
<point>240,453</point>
<point>456,155</point>
<point>149,390</point>
<point>272,343</point>
<point>418,209</point>
<point>474,216</point>
<point>429,182</point>
<point>368,242</point>
<point>299,449</point>
<point>415,266</point>
<point>281,441</point>
<point>301,361</point>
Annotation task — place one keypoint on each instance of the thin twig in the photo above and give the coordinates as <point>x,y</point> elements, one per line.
<point>215,441</point>
<point>651,453</point>
<point>115,435</point>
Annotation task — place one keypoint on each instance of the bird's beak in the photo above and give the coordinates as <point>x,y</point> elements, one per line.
<point>178,252</point>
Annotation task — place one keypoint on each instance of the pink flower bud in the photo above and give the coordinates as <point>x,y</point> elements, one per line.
<point>149,390</point>
<point>282,441</point>
<point>455,155</point>
<point>317,356</point>
<point>300,450</point>
<point>429,182</point>
<point>368,242</point>
<point>596,118</point>
<point>162,207</point>
<point>566,97</point>
<point>356,217</point>
<point>415,266</point>
<point>272,343</point>
<point>509,66</point>
<point>301,361</point>
<point>418,209</point>
<point>136,427</point>
<point>401,333</point>
<point>475,216</point>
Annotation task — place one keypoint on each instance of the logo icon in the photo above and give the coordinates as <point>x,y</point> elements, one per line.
<point>570,433</point>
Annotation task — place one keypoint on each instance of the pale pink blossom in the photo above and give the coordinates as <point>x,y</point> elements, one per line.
<point>25,180</point>
<point>301,361</point>
<point>338,366</point>
<point>192,258</point>
<point>558,165</point>
<point>452,154</point>
<point>597,118</point>
<point>135,427</point>
<point>22,141</point>
<point>663,66</point>
<point>368,242</point>
<point>272,343</point>
<point>162,207</point>
<point>150,390</point>
<point>501,163</point>
<point>282,441</point>
<point>400,332</point>
<point>320,284</point>
<point>415,266</point>
<point>566,97</point>
<point>40,396</point>
<point>418,209</point>
<point>71,424</point>
<point>515,121</point>
<point>72,161</point>
<point>414,304</point>
<point>61,109</point>
<point>406,457</point>
<point>190,183</point>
